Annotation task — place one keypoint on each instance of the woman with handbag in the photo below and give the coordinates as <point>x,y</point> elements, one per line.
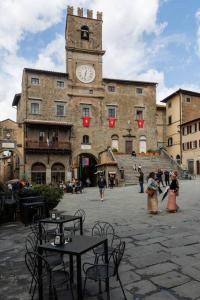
<point>152,200</point>
<point>173,193</point>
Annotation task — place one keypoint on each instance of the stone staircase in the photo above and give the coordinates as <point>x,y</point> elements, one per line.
<point>148,163</point>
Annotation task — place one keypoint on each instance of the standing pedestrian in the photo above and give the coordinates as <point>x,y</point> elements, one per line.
<point>141,181</point>
<point>173,193</point>
<point>152,200</point>
<point>101,184</point>
<point>159,176</point>
<point>166,174</point>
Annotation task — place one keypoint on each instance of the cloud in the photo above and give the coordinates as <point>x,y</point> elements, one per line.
<point>198,32</point>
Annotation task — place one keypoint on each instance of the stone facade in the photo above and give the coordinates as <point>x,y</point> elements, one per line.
<point>52,106</point>
<point>182,106</point>
<point>191,145</point>
<point>161,126</point>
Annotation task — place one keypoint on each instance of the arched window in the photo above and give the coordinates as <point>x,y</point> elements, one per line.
<point>38,173</point>
<point>170,141</point>
<point>57,173</point>
<point>86,139</point>
<point>85,33</point>
<point>143,144</point>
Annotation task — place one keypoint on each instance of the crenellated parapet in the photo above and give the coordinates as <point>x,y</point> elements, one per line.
<point>80,13</point>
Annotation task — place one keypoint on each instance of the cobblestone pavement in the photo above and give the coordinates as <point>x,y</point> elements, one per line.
<point>161,260</point>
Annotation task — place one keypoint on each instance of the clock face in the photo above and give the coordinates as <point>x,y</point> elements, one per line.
<point>85,73</point>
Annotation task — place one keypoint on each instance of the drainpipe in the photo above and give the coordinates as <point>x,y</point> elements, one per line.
<point>181,150</point>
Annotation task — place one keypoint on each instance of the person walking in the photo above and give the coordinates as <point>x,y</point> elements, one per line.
<point>166,174</point>
<point>101,184</point>
<point>141,181</point>
<point>173,193</point>
<point>152,200</point>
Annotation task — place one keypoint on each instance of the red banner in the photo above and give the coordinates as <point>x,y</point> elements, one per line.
<point>86,121</point>
<point>140,123</point>
<point>111,122</point>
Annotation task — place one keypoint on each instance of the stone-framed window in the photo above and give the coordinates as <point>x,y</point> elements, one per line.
<point>112,112</point>
<point>86,111</point>
<point>60,83</point>
<point>169,104</point>
<point>169,120</point>
<point>188,99</point>
<point>35,108</point>
<point>111,88</point>
<point>139,91</point>
<point>35,80</point>
<point>60,110</point>
<point>86,140</point>
<point>139,113</point>
<point>170,141</point>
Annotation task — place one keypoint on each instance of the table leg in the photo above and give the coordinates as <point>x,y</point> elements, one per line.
<point>71,267</point>
<point>40,233</point>
<point>40,283</point>
<point>79,278</point>
<point>61,227</point>
<point>81,226</point>
<point>106,261</point>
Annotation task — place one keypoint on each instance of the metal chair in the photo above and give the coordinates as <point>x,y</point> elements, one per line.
<point>106,230</point>
<point>51,279</point>
<point>76,223</point>
<point>100,272</point>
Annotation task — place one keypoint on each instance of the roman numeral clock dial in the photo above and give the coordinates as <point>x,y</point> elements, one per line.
<point>85,73</point>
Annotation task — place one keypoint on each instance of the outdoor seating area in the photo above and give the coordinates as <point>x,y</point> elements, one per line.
<point>55,256</point>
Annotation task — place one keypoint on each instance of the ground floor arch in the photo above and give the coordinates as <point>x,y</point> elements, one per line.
<point>57,173</point>
<point>87,169</point>
<point>38,173</point>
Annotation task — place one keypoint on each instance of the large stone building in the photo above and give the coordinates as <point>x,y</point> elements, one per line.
<point>181,107</point>
<point>67,119</point>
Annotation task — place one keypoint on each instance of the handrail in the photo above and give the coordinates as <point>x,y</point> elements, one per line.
<point>110,151</point>
<point>173,162</point>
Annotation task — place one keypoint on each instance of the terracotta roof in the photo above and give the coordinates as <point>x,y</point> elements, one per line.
<point>45,72</point>
<point>129,81</point>
<point>16,99</point>
<point>180,91</point>
<point>47,122</point>
<point>191,121</point>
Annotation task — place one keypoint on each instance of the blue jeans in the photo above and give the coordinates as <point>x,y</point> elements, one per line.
<point>141,187</point>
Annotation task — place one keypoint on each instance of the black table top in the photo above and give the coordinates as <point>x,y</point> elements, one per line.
<point>33,204</point>
<point>62,219</point>
<point>79,245</point>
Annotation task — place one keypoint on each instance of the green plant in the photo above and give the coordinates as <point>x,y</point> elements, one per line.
<point>51,194</point>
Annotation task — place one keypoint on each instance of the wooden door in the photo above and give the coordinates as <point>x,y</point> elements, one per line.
<point>129,147</point>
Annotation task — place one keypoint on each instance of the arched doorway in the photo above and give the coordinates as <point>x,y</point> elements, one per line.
<point>57,173</point>
<point>115,142</point>
<point>87,169</point>
<point>38,173</point>
<point>143,144</point>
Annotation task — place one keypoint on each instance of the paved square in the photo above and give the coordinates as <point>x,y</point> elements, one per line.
<point>162,252</point>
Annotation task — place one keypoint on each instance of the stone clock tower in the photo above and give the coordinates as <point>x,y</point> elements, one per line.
<point>84,49</point>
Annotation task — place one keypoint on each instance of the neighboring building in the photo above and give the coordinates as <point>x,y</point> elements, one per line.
<point>11,155</point>
<point>191,145</point>
<point>161,126</point>
<point>182,106</point>
<point>67,119</point>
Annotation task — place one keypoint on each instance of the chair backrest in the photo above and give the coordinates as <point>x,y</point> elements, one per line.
<point>104,229</point>
<point>35,230</point>
<point>31,243</point>
<point>32,260</point>
<point>118,255</point>
<point>81,213</point>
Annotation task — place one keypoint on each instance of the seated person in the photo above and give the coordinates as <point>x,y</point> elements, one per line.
<point>133,153</point>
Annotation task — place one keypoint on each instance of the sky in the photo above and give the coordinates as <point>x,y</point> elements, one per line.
<point>149,40</point>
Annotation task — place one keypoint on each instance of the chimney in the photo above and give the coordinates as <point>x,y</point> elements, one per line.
<point>80,12</point>
<point>99,15</point>
<point>70,10</point>
<point>89,13</point>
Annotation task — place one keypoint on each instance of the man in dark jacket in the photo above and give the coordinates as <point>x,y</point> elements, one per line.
<point>101,184</point>
<point>141,180</point>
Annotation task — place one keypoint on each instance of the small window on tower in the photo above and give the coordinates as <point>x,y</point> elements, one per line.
<point>85,33</point>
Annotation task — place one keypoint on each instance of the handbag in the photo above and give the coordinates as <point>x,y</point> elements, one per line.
<point>150,192</point>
